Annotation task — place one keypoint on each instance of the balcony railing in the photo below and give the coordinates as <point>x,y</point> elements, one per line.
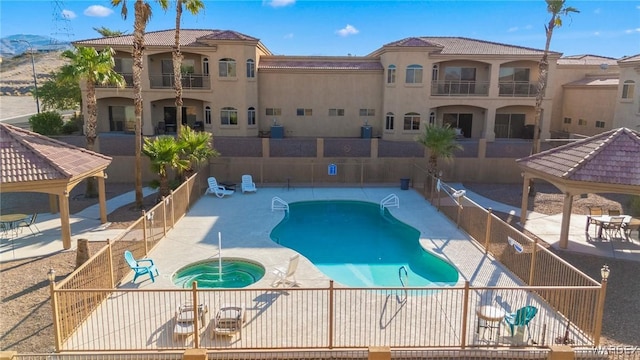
<point>128,79</point>
<point>518,88</point>
<point>189,81</point>
<point>459,88</point>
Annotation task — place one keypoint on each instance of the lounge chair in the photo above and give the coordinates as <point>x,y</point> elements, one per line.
<point>521,318</point>
<point>286,276</point>
<point>219,191</point>
<point>184,319</point>
<point>138,268</point>
<point>229,320</point>
<point>247,184</point>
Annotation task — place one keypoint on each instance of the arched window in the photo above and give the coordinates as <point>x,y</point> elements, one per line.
<point>628,89</point>
<point>205,66</point>
<point>228,116</point>
<point>412,121</point>
<point>207,115</point>
<point>227,67</point>
<point>388,123</point>
<point>432,118</point>
<point>251,116</point>
<point>391,74</point>
<point>414,74</point>
<point>251,69</point>
<point>434,72</point>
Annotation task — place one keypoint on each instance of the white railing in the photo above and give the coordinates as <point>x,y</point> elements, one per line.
<point>390,200</point>
<point>279,204</point>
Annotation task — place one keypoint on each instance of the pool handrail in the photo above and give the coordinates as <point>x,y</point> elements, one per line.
<point>279,204</point>
<point>390,200</point>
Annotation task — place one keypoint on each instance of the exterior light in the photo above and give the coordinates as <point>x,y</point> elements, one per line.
<point>605,272</point>
<point>51,275</point>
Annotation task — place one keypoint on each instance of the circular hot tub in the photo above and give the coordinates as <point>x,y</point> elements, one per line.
<point>235,273</point>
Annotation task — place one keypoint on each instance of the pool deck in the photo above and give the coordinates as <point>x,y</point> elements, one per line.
<point>245,222</point>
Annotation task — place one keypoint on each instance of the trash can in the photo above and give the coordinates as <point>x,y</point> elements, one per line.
<point>404,184</point>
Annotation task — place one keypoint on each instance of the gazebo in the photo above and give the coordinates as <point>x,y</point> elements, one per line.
<point>604,163</point>
<point>35,163</point>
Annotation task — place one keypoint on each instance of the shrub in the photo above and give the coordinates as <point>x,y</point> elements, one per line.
<point>70,127</point>
<point>634,205</point>
<point>47,123</point>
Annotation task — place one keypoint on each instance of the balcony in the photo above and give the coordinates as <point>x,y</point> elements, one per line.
<point>189,81</point>
<point>459,88</point>
<point>518,89</point>
<point>128,79</point>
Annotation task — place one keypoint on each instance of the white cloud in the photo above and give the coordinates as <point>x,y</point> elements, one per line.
<point>98,11</point>
<point>528,27</point>
<point>289,36</point>
<point>347,30</point>
<point>597,11</point>
<point>513,29</point>
<point>631,31</point>
<point>279,3</point>
<point>68,14</point>
<point>597,33</point>
<point>638,7</point>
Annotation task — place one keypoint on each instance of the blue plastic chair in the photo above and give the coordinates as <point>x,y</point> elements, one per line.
<point>140,269</point>
<point>521,318</point>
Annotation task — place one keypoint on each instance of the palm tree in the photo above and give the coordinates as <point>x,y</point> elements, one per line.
<point>441,143</point>
<point>142,12</point>
<point>164,152</point>
<point>196,148</point>
<point>94,68</point>
<point>194,7</point>
<point>557,9</point>
<point>106,32</point>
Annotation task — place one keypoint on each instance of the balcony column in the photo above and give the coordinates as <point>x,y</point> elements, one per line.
<point>147,123</point>
<point>489,124</point>
<point>494,81</point>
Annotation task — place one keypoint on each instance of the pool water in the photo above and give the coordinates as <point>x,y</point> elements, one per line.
<point>357,245</point>
<point>236,273</point>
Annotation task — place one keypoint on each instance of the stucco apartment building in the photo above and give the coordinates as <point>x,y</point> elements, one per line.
<point>234,87</point>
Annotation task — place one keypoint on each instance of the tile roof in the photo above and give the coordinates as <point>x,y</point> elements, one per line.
<point>608,158</point>
<point>27,156</point>
<point>631,58</point>
<point>188,37</point>
<point>611,80</point>
<point>320,63</point>
<point>466,46</point>
<point>587,59</point>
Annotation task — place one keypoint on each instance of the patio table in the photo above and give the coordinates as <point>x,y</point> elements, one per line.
<point>604,220</point>
<point>9,222</point>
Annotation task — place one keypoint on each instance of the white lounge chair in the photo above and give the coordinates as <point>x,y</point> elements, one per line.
<point>183,320</point>
<point>229,320</point>
<point>286,276</point>
<point>247,184</point>
<point>219,191</point>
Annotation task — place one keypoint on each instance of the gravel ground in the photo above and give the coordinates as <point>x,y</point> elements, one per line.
<point>32,332</point>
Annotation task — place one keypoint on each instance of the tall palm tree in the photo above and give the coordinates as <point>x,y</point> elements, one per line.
<point>94,68</point>
<point>194,7</point>
<point>142,12</point>
<point>164,152</point>
<point>557,9</point>
<point>196,148</point>
<point>441,143</point>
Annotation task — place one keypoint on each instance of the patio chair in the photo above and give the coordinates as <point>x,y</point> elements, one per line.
<point>140,269</point>
<point>28,223</point>
<point>184,319</point>
<point>613,212</point>
<point>594,211</point>
<point>614,226</point>
<point>520,319</point>
<point>286,276</point>
<point>247,184</point>
<point>219,191</point>
<point>229,320</point>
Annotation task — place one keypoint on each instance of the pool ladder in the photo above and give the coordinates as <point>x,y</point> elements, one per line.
<point>390,200</point>
<point>403,271</point>
<point>279,204</point>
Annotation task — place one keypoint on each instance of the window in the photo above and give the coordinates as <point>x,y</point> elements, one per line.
<point>600,124</point>
<point>251,116</point>
<point>227,68</point>
<point>367,112</point>
<point>205,66</point>
<point>567,120</point>
<point>460,74</point>
<point>188,66</point>
<point>435,72</point>
<point>510,126</point>
<point>432,118</point>
<point>251,69</point>
<point>304,112</point>
<point>412,121</point>
<point>123,65</point>
<point>336,112</point>
<point>228,116</point>
<point>273,112</point>
<point>388,122</point>
<point>207,115</point>
<point>122,118</point>
<point>582,122</point>
<point>511,74</point>
<point>391,74</point>
<point>414,74</point>
<point>628,89</point>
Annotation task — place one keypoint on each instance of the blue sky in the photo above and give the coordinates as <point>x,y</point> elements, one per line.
<point>336,28</point>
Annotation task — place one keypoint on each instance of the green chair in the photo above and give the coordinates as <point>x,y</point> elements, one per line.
<point>140,269</point>
<point>521,318</point>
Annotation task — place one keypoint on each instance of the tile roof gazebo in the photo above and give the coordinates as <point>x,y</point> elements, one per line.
<point>605,163</point>
<point>35,163</point>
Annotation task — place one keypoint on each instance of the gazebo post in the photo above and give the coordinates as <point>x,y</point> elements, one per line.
<point>101,199</point>
<point>525,199</point>
<point>53,203</point>
<point>566,218</point>
<point>65,227</point>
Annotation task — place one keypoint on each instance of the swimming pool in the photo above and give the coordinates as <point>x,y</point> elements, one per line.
<point>355,244</point>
